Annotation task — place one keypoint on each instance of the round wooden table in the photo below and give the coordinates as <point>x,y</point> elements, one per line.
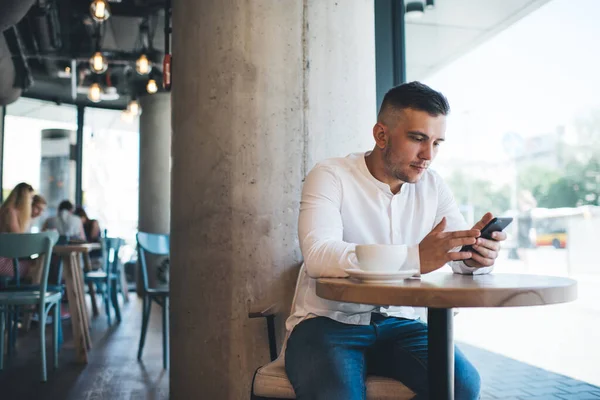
<point>440,293</point>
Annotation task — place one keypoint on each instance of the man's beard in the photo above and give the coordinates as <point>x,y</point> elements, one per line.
<point>390,167</point>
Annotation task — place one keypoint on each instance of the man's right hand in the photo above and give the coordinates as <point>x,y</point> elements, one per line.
<point>434,249</point>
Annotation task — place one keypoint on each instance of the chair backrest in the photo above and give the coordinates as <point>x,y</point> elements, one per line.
<point>110,247</point>
<point>22,245</point>
<point>153,243</point>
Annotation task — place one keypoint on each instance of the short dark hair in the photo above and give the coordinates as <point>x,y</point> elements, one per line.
<point>65,205</point>
<point>414,95</point>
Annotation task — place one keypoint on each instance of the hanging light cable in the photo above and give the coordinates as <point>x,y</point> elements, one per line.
<point>100,10</point>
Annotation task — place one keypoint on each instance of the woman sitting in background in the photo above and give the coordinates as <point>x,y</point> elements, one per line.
<point>91,227</point>
<point>15,217</point>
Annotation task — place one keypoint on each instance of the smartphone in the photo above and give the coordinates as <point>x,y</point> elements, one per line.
<point>495,225</point>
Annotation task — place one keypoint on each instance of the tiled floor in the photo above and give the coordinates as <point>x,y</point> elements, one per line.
<point>114,373</point>
<point>505,378</point>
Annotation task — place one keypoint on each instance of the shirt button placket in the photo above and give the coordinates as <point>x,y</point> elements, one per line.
<point>393,222</point>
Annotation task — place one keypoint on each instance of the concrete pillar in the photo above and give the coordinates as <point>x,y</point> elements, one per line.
<point>155,163</point>
<point>262,90</point>
<point>155,170</point>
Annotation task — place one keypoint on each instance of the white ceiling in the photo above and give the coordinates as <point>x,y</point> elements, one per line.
<point>455,27</point>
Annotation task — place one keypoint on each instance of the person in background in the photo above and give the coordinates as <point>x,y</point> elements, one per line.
<point>15,217</point>
<point>38,206</point>
<point>65,222</point>
<point>91,227</point>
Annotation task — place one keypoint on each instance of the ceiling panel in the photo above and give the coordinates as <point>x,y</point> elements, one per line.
<point>427,44</point>
<point>478,14</point>
<point>454,27</point>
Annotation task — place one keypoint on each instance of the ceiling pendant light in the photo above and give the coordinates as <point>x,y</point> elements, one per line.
<point>126,116</point>
<point>430,4</point>
<point>94,93</point>
<point>100,10</point>
<point>98,63</point>
<point>415,10</point>
<point>134,108</point>
<point>151,86</point>
<point>142,65</point>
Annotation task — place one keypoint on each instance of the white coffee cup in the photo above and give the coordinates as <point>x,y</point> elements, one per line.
<point>379,257</point>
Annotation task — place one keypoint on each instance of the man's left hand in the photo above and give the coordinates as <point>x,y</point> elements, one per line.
<point>486,250</point>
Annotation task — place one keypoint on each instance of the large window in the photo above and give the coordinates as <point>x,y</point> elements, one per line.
<point>523,140</point>
<point>40,133</point>
<point>110,171</point>
<point>38,150</point>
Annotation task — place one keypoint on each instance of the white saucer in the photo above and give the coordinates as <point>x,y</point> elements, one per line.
<point>380,277</point>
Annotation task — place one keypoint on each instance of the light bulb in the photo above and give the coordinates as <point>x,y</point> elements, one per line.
<point>98,63</point>
<point>94,93</point>
<point>100,10</point>
<point>151,87</point>
<point>142,65</point>
<point>126,116</point>
<point>134,108</point>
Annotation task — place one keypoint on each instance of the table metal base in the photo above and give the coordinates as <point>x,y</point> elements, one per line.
<point>441,353</point>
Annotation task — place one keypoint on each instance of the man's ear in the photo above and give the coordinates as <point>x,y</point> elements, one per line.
<point>380,135</point>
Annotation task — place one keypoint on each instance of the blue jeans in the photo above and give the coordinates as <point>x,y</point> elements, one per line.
<point>326,359</point>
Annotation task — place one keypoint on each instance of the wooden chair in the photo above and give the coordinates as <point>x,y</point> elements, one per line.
<point>15,246</point>
<point>108,280</point>
<point>159,245</point>
<point>271,382</point>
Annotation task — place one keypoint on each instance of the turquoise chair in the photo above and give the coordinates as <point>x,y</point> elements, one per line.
<point>159,245</point>
<point>108,281</point>
<point>22,245</point>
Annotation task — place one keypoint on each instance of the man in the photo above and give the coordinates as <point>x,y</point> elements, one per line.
<point>65,222</point>
<point>386,196</point>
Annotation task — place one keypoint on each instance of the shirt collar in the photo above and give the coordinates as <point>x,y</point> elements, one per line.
<point>362,166</point>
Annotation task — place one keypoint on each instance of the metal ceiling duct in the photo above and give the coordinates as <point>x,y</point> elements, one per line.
<point>12,11</point>
<point>8,92</point>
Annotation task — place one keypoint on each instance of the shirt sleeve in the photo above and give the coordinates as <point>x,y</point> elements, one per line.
<point>455,221</point>
<point>320,228</point>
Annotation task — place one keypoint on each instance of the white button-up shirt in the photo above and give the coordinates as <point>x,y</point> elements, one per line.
<point>344,205</point>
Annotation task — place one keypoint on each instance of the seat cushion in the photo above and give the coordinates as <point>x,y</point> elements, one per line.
<point>271,381</point>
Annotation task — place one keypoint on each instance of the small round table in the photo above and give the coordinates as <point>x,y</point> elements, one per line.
<point>440,292</point>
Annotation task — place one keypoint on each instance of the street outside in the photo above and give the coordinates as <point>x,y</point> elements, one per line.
<point>562,338</point>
